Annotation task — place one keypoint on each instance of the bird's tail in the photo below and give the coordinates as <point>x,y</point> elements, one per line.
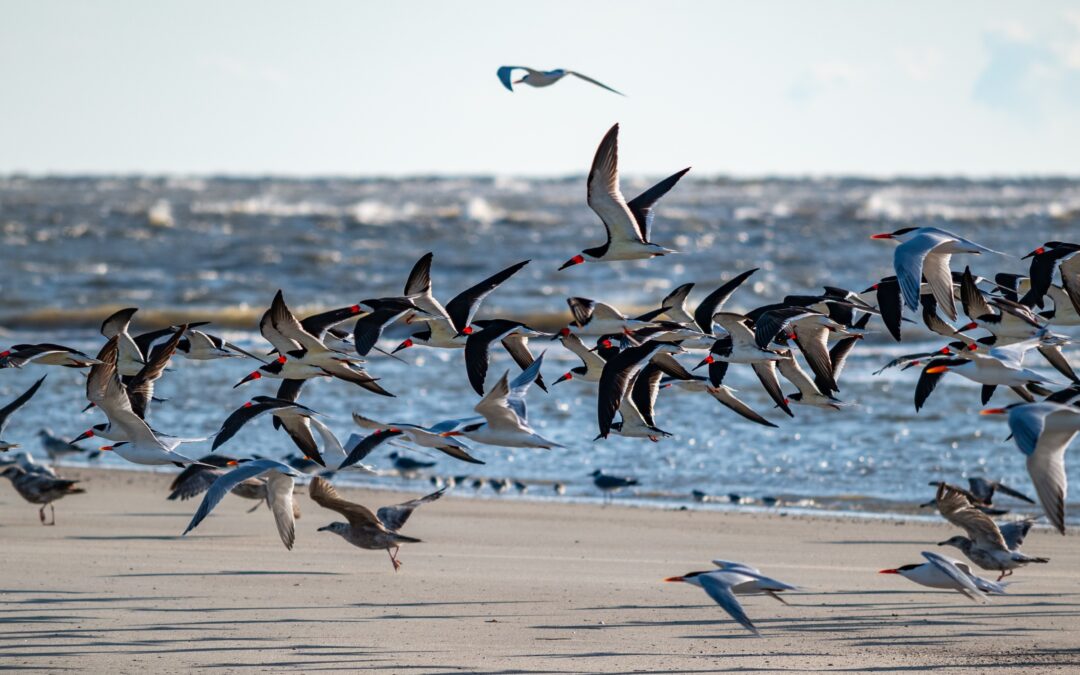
<point>402,539</point>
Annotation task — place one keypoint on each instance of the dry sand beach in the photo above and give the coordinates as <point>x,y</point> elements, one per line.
<point>498,587</point>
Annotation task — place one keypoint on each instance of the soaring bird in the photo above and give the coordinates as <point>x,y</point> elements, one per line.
<point>543,78</point>
<point>6,411</point>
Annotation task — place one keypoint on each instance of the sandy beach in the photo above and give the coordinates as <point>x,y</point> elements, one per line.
<point>499,586</point>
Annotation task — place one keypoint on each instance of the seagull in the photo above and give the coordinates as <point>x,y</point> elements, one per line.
<point>925,252</point>
<point>279,493</point>
<point>6,411</point>
<point>948,574</point>
<point>1043,431</point>
<point>503,417</point>
<point>364,529</point>
<point>627,223</point>
<point>40,488</point>
<point>720,586</point>
<point>103,388</point>
<point>543,78</point>
<point>447,326</point>
<point>609,484</point>
<point>295,418</point>
<point>986,545</point>
<point>56,447</point>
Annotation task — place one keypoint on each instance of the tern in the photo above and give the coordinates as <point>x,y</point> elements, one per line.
<point>424,437</point>
<point>38,488</point>
<point>720,585</point>
<point>987,545</point>
<point>543,78</point>
<point>925,252</point>
<point>627,223</point>
<point>279,493</point>
<point>948,574</point>
<point>364,529</point>
<point>1043,431</point>
<point>6,412</point>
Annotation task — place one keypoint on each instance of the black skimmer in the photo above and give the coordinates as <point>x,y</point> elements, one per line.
<point>618,375</point>
<point>141,444</point>
<point>1045,260</point>
<point>627,223</point>
<point>6,412</point>
<point>543,78</point>
<point>592,363</point>
<point>447,326</point>
<point>279,493</point>
<point>809,329</point>
<point>808,393</point>
<point>987,545</point>
<point>364,529</point>
<point>1043,431</point>
<point>723,394</point>
<point>925,252</point>
<point>515,339</point>
<point>424,437</point>
<point>674,305</point>
<point>130,359</point>
<point>296,419</point>
<point>44,354</point>
<point>598,318</point>
<point>503,418</point>
<point>38,488</point>
<point>947,574</point>
<point>636,409</point>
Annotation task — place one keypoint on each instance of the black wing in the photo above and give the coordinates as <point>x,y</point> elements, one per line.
<point>643,393</point>
<point>642,205</point>
<point>140,389</point>
<point>582,309</point>
<point>477,350</point>
<point>366,445</point>
<point>241,416</point>
<point>419,280</point>
<point>714,302</point>
<point>118,322</point>
<point>318,324</point>
<point>6,411</point>
<point>463,306</point>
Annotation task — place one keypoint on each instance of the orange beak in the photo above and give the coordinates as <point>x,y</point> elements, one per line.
<point>889,572</point>
<point>993,411</point>
<point>232,462</point>
<point>883,235</point>
<point>448,434</point>
<point>105,448</point>
<point>674,579</point>
<point>934,370</point>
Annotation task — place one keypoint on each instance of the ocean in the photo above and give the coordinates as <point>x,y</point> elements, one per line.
<point>182,248</point>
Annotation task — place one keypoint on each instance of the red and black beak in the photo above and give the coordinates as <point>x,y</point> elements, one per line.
<point>1038,251</point>
<point>404,345</point>
<point>576,260</point>
<point>254,375</point>
<point>565,377</point>
<point>89,433</point>
<point>705,361</point>
<point>883,235</point>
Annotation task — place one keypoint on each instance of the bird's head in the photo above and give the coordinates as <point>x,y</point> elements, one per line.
<point>957,541</point>
<point>688,578</point>
<point>336,528</point>
<point>898,570</point>
<point>901,235</point>
<point>1038,251</point>
<point>576,260</point>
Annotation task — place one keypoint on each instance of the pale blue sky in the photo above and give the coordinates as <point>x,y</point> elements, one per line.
<point>363,88</point>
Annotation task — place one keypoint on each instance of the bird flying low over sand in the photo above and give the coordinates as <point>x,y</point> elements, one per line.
<point>543,78</point>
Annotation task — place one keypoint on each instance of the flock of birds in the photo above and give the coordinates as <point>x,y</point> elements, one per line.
<point>629,360</point>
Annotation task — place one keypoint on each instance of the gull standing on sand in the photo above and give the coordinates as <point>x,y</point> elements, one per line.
<point>627,224</point>
<point>6,411</point>
<point>40,488</point>
<point>543,78</point>
<point>365,529</point>
<point>609,484</point>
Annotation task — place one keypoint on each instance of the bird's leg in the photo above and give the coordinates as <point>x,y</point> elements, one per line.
<point>41,514</point>
<point>255,508</point>
<point>393,557</point>
<point>52,512</point>
<point>774,596</point>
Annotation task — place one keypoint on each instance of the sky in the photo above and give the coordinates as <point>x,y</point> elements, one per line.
<point>400,88</point>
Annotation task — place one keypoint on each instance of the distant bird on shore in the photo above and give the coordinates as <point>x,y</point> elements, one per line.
<point>609,484</point>
<point>6,412</point>
<point>945,573</point>
<point>56,447</point>
<point>364,529</point>
<point>40,488</point>
<point>628,224</point>
<point>543,78</point>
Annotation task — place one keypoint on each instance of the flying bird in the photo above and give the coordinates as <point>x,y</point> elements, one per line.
<point>543,78</point>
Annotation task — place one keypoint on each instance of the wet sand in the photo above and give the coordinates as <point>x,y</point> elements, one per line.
<point>499,586</point>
